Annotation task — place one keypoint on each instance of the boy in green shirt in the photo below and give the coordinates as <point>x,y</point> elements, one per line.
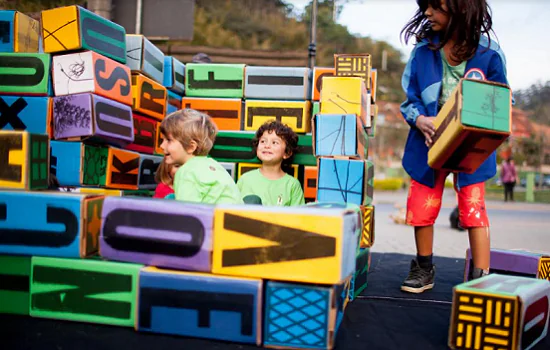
<point>274,144</point>
<point>188,137</point>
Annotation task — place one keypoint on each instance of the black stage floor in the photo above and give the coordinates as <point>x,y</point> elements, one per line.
<point>382,318</point>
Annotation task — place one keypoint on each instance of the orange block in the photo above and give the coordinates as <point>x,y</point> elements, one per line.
<point>122,169</point>
<point>226,112</point>
<point>310,182</point>
<point>149,97</point>
<point>158,140</point>
<point>318,74</point>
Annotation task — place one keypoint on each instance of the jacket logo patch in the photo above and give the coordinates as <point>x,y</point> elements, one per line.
<point>475,73</point>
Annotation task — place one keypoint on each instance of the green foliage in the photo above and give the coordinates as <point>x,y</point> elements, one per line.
<point>30,6</point>
<point>536,98</point>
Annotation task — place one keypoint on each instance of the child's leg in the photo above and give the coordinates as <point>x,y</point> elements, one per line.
<point>423,205</point>
<point>473,216</point>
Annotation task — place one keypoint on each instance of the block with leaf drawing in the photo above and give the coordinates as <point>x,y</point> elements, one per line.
<point>339,135</point>
<point>345,95</point>
<point>345,181</point>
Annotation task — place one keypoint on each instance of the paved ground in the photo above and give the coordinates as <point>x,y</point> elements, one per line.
<point>513,226</point>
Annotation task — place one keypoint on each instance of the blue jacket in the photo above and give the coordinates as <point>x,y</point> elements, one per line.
<point>422,84</point>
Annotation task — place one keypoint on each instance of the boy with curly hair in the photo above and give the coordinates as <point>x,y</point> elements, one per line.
<point>274,144</point>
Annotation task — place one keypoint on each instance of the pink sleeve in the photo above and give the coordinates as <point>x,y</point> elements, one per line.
<point>162,191</point>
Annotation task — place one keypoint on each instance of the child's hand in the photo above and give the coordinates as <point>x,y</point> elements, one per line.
<point>426,125</point>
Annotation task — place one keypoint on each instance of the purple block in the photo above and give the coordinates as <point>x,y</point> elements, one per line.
<point>91,116</point>
<point>157,232</point>
<point>508,262</point>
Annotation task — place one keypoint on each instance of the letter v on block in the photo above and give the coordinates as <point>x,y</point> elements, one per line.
<point>293,244</point>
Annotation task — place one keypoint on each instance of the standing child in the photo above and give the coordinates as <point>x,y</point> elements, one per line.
<point>274,144</point>
<point>453,41</point>
<point>165,180</point>
<point>188,137</point>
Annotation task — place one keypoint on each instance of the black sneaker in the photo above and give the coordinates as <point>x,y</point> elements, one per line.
<point>478,273</point>
<point>419,279</point>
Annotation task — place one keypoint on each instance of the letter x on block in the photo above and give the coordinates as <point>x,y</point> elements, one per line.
<point>9,114</point>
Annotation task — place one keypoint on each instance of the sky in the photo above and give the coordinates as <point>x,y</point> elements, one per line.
<point>522,28</point>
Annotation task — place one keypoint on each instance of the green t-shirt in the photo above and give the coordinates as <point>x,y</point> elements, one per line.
<point>204,180</point>
<point>285,191</point>
<point>451,77</point>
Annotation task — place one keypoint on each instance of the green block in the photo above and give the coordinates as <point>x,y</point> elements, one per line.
<point>214,80</point>
<point>359,278</point>
<point>236,147</point>
<point>24,73</point>
<point>140,193</point>
<point>102,36</point>
<point>95,166</point>
<point>369,187</point>
<point>14,284</point>
<point>485,105</point>
<point>315,108</point>
<point>84,290</point>
<point>39,161</point>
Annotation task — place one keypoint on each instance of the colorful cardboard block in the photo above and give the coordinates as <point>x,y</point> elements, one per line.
<point>315,107</point>
<point>70,166</point>
<point>301,316</point>
<point>310,183</point>
<point>24,73</point>
<point>226,112</point>
<point>20,32</point>
<point>367,235</point>
<point>144,57</point>
<point>471,125</point>
<point>89,116</point>
<point>159,139</point>
<point>353,65</point>
<point>25,113</point>
<point>84,290</point>
<point>145,134</point>
<point>345,95</point>
<point>91,72</point>
<point>278,83</point>
<point>231,169</point>
<point>73,28</point>
<point>340,135</point>
<point>174,75</point>
<point>359,278</point>
<point>373,84</point>
<point>149,97</point>
<point>236,146</point>
<point>214,80</point>
<point>288,244</point>
<point>157,232</point>
<point>99,191</point>
<point>170,109</point>
<point>15,274</point>
<point>138,193</point>
<point>292,169</point>
<point>63,224</point>
<point>200,305</point>
<point>24,160</point>
<point>148,165</point>
<point>122,169</point>
<point>173,100</point>
<point>347,181</point>
<point>318,74</point>
<point>513,262</point>
<point>371,131</point>
<point>295,114</point>
<point>499,312</point>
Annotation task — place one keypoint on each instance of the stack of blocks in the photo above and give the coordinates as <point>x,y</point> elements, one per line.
<point>280,277</point>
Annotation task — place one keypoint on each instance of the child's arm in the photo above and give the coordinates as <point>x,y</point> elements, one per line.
<point>497,68</point>
<point>413,107</point>
<point>297,195</point>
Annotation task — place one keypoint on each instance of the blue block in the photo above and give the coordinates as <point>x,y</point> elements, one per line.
<point>24,113</point>
<point>41,223</point>
<point>299,316</point>
<point>170,109</point>
<point>341,181</point>
<point>200,305</point>
<point>277,83</point>
<point>336,135</point>
<point>174,99</point>
<point>174,75</point>
<point>66,162</point>
<point>7,42</point>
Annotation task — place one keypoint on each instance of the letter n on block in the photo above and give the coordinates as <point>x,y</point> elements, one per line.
<point>156,232</point>
<point>84,290</point>
<point>499,311</point>
<point>301,316</point>
<point>290,244</point>
<point>200,305</point>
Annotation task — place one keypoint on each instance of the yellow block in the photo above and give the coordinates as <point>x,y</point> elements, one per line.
<point>287,244</point>
<point>246,167</point>
<point>27,32</point>
<point>60,29</point>
<point>367,235</point>
<point>357,65</point>
<point>343,95</point>
<point>295,114</point>
<point>103,191</point>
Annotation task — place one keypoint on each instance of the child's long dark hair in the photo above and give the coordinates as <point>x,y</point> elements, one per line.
<point>468,20</point>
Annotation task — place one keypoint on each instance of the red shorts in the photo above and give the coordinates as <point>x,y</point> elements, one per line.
<point>424,203</point>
